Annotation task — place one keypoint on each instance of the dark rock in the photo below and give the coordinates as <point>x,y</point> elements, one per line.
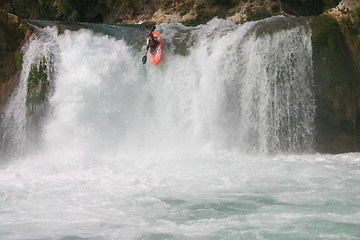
<point>13,33</point>
<point>336,89</point>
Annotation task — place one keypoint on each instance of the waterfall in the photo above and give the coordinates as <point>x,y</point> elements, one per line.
<point>215,142</point>
<point>221,86</point>
<point>17,116</point>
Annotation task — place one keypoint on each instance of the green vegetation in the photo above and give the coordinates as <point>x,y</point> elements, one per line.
<point>66,11</point>
<point>161,4</point>
<point>207,12</point>
<point>335,84</point>
<point>357,42</point>
<point>355,26</point>
<point>356,14</point>
<point>202,17</point>
<point>328,38</point>
<point>308,7</point>
<point>260,13</point>
<point>127,5</point>
<point>18,59</point>
<point>111,11</point>
<point>330,48</point>
<point>37,83</point>
<point>185,8</point>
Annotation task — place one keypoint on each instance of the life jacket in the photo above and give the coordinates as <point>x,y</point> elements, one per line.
<point>152,43</point>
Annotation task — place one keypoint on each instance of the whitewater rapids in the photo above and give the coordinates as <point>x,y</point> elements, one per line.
<point>216,142</point>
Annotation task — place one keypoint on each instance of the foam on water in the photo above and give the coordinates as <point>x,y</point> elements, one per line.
<point>200,197</point>
<point>200,147</point>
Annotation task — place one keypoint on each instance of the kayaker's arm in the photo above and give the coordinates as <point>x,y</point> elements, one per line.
<point>147,45</point>
<point>147,48</point>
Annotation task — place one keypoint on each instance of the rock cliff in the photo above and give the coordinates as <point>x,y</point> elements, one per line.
<point>187,11</point>
<point>336,45</point>
<point>13,33</point>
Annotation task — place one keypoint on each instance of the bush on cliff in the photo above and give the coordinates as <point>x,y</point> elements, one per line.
<point>308,7</point>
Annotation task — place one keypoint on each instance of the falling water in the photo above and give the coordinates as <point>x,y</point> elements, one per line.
<point>230,87</point>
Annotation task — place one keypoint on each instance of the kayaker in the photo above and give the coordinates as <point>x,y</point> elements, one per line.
<point>151,43</point>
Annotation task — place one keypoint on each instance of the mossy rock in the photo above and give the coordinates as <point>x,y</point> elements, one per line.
<point>260,13</point>
<point>13,33</point>
<point>202,16</point>
<point>333,63</point>
<point>336,83</point>
<point>19,60</point>
<point>37,83</point>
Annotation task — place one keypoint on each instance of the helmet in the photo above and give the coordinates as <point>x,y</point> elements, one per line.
<point>150,35</point>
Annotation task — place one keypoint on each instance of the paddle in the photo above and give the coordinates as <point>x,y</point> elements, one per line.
<point>145,57</point>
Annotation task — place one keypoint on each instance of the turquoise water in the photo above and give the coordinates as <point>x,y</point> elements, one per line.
<point>195,197</point>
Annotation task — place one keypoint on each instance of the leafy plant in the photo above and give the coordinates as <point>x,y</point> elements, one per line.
<point>308,7</point>
<point>259,14</point>
<point>37,83</point>
<point>18,59</point>
<point>185,8</point>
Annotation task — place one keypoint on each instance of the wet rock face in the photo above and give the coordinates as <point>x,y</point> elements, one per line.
<point>12,34</point>
<point>336,88</point>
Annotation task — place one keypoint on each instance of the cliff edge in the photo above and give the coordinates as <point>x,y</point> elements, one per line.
<point>13,33</point>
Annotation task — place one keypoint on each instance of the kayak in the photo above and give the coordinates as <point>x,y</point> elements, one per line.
<point>157,55</point>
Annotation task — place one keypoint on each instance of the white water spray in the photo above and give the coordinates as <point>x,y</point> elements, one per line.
<point>234,88</point>
<point>16,118</point>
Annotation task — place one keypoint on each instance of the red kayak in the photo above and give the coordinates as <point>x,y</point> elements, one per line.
<point>158,53</point>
